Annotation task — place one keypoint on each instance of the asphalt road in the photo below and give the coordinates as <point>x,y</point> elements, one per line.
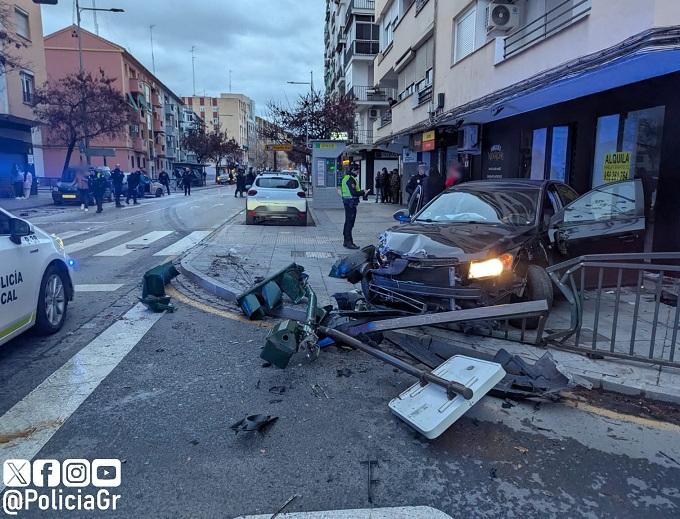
<point>160,394</point>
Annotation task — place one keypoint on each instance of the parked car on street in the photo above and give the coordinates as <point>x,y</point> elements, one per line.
<point>66,192</point>
<point>147,187</point>
<point>489,242</point>
<point>35,280</point>
<point>276,196</point>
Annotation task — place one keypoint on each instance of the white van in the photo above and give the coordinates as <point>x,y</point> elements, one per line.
<point>35,279</point>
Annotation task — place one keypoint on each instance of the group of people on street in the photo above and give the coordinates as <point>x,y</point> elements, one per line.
<point>243,181</point>
<point>388,186</point>
<point>23,181</point>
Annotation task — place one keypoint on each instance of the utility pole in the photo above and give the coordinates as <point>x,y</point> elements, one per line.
<point>193,68</point>
<point>94,16</point>
<point>153,59</point>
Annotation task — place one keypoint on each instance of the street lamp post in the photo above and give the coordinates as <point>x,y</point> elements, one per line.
<point>311,101</point>
<point>79,9</point>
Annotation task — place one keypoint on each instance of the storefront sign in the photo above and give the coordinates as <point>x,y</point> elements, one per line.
<point>616,166</point>
<point>429,141</point>
<point>410,156</point>
<point>324,145</point>
<point>494,159</point>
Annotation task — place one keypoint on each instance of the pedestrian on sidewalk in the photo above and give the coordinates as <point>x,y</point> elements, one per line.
<point>98,184</point>
<point>395,187</point>
<point>28,182</point>
<point>117,178</point>
<point>18,180</point>
<point>417,180</point>
<point>164,179</point>
<point>351,192</point>
<point>82,183</point>
<point>454,175</point>
<point>240,184</point>
<point>133,182</point>
<point>187,178</point>
<point>378,184</point>
<point>434,184</point>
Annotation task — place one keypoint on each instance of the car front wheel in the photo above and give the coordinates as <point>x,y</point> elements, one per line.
<point>52,302</point>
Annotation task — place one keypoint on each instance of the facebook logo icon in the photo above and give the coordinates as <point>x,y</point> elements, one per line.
<point>46,473</point>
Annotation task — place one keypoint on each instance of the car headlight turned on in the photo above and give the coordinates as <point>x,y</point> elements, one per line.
<point>490,268</point>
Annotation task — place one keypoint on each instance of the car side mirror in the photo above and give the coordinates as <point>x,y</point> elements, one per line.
<point>402,216</point>
<point>19,228</point>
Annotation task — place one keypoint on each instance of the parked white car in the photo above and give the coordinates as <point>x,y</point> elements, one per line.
<point>35,279</point>
<point>276,196</point>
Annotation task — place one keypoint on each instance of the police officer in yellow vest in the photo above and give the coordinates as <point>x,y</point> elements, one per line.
<point>351,192</point>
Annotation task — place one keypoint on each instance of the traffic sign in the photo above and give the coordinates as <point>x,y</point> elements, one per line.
<point>279,147</point>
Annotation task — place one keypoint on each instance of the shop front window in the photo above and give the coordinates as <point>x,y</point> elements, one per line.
<point>550,153</point>
<point>628,145</point>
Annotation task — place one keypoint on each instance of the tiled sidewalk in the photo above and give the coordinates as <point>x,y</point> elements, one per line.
<point>238,254</point>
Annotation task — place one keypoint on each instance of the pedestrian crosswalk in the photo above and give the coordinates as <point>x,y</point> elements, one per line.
<point>76,242</point>
<point>141,242</point>
<point>184,244</point>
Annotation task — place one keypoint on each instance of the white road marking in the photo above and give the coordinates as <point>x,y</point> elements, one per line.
<point>98,288</point>
<point>70,234</point>
<point>96,240</point>
<point>33,420</point>
<point>184,244</point>
<point>398,512</point>
<point>129,247</point>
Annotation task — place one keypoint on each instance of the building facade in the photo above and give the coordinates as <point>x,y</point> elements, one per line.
<point>352,39</point>
<point>152,140</point>
<point>20,137</point>
<point>537,89</point>
<point>235,114</point>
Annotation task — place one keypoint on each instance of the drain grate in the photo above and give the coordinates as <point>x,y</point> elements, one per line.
<point>311,254</point>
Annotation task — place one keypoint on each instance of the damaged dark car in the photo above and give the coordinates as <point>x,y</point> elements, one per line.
<point>489,242</point>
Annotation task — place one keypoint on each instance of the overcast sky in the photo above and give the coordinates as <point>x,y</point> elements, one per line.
<point>264,42</point>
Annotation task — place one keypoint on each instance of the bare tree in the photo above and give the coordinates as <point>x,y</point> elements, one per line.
<point>315,115</point>
<point>82,106</point>
<point>195,140</point>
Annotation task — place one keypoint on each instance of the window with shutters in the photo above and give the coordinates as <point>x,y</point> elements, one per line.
<point>465,32</point>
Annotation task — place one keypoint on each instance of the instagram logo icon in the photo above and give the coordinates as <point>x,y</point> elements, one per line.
<point>75,473</point>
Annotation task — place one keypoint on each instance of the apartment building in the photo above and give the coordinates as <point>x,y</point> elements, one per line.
<point>537,89</point>
<point>151,141</point>
<point>234,113</point>
<point>20,137</point>
<point>351,44</point>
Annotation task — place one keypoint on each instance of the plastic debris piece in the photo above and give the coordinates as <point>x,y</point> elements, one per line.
<point>254,422</point>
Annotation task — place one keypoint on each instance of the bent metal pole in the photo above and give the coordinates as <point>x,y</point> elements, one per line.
<point>452,388</point>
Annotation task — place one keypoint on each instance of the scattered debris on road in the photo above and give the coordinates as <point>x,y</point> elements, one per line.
<point>255,422</point>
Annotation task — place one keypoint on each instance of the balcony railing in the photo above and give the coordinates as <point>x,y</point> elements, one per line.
<point>361,48</point>
<point>354,5</point>
<point>362,137</point>
<point>376,95</point>
<point>549,23</point>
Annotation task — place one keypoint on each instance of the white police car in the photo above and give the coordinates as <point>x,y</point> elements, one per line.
<point>35,280</point>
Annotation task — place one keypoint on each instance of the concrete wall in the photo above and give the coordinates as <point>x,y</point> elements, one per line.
<point>476,75</point>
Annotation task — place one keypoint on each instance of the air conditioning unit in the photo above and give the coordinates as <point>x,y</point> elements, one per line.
<point>501,16</point>
<point>373,113</point>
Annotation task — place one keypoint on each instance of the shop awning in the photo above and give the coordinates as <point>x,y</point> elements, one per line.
<point>651,54</point>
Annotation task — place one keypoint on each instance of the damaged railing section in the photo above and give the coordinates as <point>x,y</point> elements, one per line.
<point>621,305</point>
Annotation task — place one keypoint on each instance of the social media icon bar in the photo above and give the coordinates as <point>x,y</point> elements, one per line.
<point>74,473</point>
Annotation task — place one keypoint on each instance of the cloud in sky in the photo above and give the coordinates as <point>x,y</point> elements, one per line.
<point>263,42</point>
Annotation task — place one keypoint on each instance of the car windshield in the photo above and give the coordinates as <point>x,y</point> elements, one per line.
<point>69,175</point>
<point>277,183</point>
<point>509,207</point>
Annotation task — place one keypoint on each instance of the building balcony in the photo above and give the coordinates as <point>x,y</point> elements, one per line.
<point>365,49</point>
<point>374,96</point>
<point>364,7</point>
<point>170,109</point>
<point>549,23</point>
<point>364,137</point>
<point>135,86</point>
<point>156,100</point>
<point>138,144</point>
<point>158,126</point>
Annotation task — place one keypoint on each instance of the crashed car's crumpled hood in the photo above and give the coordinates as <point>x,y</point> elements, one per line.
<point>463,241</point>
